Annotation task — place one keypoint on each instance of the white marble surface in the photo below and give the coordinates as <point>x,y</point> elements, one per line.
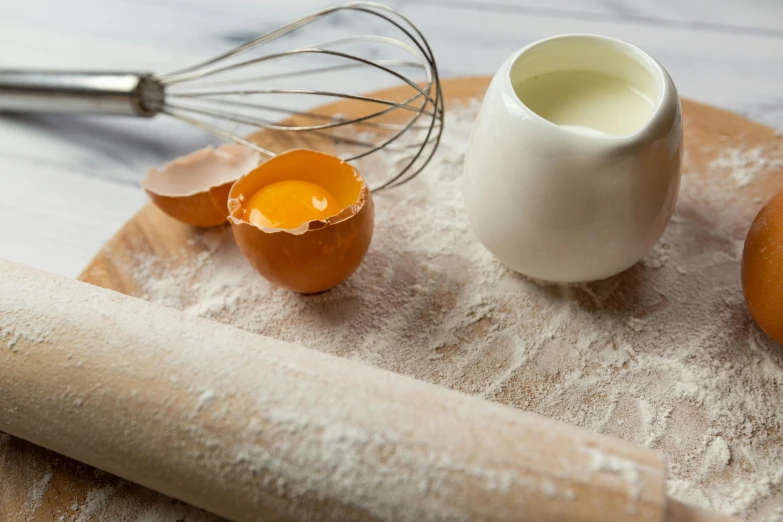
<point>66,184</point>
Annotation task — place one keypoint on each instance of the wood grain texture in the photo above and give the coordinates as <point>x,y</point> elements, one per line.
<point>65,486</point>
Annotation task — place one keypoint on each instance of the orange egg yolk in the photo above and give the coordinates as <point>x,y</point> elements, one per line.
<point>289,204</point>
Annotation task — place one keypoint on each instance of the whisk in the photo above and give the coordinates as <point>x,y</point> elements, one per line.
<point>237,95</point>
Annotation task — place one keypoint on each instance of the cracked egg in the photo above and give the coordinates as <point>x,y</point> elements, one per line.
<point>194,188</point>
<point>303,219</point>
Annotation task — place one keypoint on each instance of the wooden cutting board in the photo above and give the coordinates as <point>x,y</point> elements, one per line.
<point>38,485</point>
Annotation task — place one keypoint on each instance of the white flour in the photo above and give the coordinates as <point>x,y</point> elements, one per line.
<point>745,164</point>
<point>36,493</point>
<point>664,355</point>
<point>291,432</point>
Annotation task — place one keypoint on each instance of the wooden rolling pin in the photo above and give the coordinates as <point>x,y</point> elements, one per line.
<point>253,428</point>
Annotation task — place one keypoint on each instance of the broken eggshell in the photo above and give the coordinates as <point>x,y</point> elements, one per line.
<point>194,188</point>
<point>319,254</point>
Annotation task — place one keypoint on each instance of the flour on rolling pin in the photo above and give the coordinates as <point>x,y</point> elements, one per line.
<point>290,433</point>
<point>664,355</point>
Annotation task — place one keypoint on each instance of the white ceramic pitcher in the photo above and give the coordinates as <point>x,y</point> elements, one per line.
<point>568,176</point>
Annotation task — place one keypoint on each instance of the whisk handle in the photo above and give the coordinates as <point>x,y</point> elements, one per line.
<point>128,94</point>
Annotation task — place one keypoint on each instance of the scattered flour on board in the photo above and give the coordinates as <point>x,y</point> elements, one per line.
<point>663,355</point>
<point>745,164</point>
<point>35,494</point>
<point>96,500</point>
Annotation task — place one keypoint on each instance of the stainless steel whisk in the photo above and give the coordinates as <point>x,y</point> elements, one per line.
<point>231,95</point>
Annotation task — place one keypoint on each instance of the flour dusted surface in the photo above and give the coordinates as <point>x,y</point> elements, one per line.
<point>664,355</point>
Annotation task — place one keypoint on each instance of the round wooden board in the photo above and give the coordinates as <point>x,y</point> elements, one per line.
<point>36,484</point>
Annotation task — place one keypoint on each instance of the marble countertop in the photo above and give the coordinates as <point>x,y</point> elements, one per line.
<point>68,183</point>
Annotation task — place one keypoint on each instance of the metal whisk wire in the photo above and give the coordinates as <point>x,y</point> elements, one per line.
<point>189,85</point>
<point>220,95</point>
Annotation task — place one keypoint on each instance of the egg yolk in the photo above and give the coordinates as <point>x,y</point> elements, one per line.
<point>289,204</point>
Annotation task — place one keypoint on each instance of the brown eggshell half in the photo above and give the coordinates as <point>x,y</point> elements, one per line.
<point>762,268</point>
<point>194,188</point>
<point>318,255</point>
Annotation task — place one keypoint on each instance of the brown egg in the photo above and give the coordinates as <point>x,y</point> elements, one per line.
<point>303,219</point>
<point>194,188</point>
<point>762,268</point>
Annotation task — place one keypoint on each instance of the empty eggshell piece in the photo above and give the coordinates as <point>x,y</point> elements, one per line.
<point>762,268</point>
<point>319,254</point>
<point>194,188</point>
